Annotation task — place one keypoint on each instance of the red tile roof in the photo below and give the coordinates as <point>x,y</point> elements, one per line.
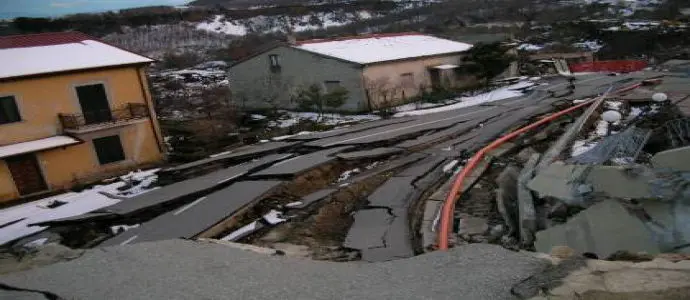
<point>43,39</point>
<point>358,37</point>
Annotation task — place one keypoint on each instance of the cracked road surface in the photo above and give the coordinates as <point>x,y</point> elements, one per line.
<point>181,269</point>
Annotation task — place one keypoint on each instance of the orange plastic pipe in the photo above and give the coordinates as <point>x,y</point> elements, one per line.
<point>446,219</point>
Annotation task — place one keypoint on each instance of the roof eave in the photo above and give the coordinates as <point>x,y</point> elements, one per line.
<point>62,72</point>
<point>415,57</point>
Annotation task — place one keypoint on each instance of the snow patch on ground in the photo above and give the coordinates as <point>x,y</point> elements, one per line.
<point>282,137</point>
<point>267,24</point>
<point>239,232</point>
<point>506,92</point>
<point>76,203</point>
<point>581,146</point>
<point>274,217</point>
<point>293,118</point>
<point>347,174</point>
<point>423,105</point>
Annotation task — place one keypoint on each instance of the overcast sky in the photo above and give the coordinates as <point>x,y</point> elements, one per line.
<point>47,8</point>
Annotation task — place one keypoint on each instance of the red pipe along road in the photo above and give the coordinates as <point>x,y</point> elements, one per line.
<point>448,209</point>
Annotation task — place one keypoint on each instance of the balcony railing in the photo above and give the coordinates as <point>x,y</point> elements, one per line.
<point>87,119</point>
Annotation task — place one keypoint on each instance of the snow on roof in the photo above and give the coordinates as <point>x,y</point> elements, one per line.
<point>24,55</point>
<point>445,67</point>
<point>37,145</point>
<point>379,48</point>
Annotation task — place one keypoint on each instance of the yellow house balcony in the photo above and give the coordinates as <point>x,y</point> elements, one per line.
<point>94,120</point>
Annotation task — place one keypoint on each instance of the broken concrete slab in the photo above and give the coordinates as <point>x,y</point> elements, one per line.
<point>675,159</point>
<point>369,154</point>
<point>368,229</point>
<point>527,214</point>
<point>297,165</point>
<point>602,229</point>
<point>198,216</point>
<point>621,182</point>
<point>560,181</point>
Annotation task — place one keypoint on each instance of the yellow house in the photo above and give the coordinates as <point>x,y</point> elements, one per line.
<point>73,110</point>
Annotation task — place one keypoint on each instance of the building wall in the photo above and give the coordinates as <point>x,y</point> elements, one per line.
<point>297,69</point>
<point>41,99</point>
<point>388,78</point>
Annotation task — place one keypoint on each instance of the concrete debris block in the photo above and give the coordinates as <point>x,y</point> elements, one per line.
<point>602,229</point>
<point>559,181</point>
<point>675,159</point>
<point>472,226</point>
<point>527,214</point>
<point>506,197</point>
<point>621,182</point>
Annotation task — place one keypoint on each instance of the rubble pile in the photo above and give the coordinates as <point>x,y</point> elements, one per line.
<point>615,179</point>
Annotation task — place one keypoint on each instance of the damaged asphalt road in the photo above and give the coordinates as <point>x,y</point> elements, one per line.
<point>179,269</point>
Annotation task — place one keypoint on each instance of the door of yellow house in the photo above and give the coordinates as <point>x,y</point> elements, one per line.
<point>26,174</point>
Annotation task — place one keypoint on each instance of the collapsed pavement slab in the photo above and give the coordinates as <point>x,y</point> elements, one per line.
<point>198,216</point>
<point>602,229</point>
<point>297,165</point>
<point>173,193</point>
<point>241,153</point>
<point>368,229</point>
<point>394,193</point>
<point>369,154</point>
<point>349,129</point>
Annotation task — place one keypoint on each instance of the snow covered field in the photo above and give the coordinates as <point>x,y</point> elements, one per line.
<point>266,24</point>
<point>15,220</point>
